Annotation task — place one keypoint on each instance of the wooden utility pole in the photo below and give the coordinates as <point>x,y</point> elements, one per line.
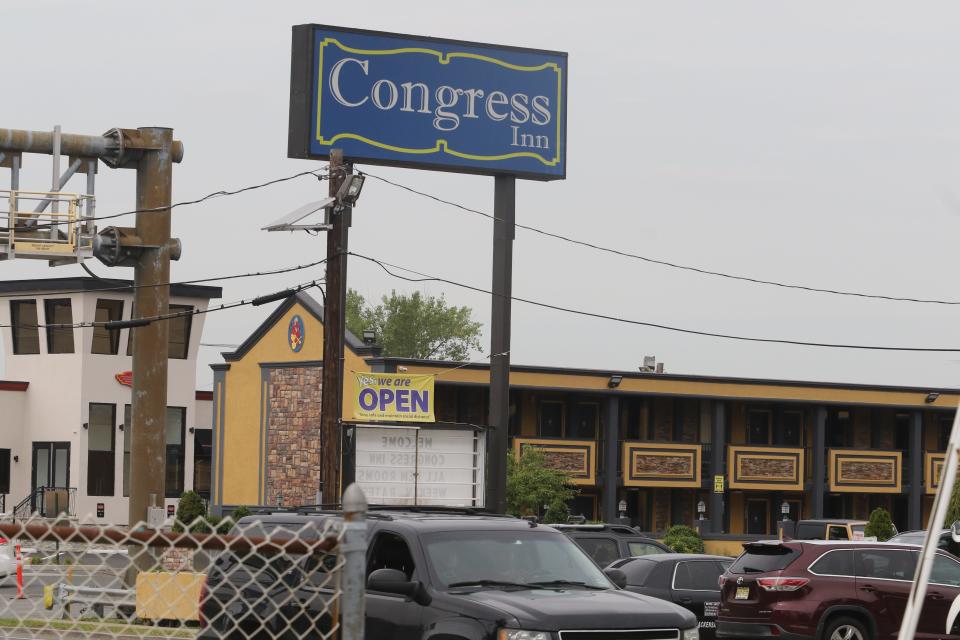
<point>334,319</point>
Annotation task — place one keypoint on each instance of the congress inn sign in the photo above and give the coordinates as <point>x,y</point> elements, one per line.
<point>430,103</point>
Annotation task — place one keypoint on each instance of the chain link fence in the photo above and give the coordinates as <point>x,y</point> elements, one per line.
<point>270,576</point>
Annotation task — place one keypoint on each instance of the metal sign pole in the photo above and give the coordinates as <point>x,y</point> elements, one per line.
<point>504,231</point>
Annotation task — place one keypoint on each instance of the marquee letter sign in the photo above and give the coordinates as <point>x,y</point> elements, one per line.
<point>402,100</point>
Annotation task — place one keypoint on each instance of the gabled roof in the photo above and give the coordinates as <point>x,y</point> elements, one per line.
<point>312,307</point>
<point>83,283</point>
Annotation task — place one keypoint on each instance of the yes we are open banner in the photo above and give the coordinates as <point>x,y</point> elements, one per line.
<point>396,397</point>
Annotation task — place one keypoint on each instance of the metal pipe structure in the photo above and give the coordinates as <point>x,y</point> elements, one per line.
<point>110,147</point>
<point>504,231</point>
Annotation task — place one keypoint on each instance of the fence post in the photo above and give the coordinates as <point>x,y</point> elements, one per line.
<point>354,550</point>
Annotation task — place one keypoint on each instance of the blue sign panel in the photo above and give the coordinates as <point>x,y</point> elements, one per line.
<point>437,104</point>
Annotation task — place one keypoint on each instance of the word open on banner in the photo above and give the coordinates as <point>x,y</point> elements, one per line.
<point>394,397</point>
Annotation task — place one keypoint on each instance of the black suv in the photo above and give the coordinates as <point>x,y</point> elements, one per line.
<point>436,574</point>
<point>607,543</point>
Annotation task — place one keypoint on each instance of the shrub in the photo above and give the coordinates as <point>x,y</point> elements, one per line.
<point>683,539</point>
<point>190,508</point>
<point>879,525</point>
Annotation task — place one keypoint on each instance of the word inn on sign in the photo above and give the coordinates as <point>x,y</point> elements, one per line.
<point>440,104</point>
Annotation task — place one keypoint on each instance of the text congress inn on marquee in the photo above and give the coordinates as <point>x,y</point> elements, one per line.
<point>425,102</point>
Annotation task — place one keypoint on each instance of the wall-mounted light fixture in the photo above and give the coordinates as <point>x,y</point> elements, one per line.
<point>16,458</point>
<point>701,510</point>
<point>785,510</point>
<point>120,427</point>
<point>86,425</point>
<point>369,336</point>
<point>191,429</point>
<point>931,397</point>
<point>614,381</point>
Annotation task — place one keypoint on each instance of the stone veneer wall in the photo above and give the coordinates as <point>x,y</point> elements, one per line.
<point>293,436</point>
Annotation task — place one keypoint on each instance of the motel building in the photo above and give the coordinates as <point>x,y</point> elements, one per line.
<point>726,454</point>
<point>65,399</point>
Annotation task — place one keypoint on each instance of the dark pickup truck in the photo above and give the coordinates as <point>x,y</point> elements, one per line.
<point>436,574</point>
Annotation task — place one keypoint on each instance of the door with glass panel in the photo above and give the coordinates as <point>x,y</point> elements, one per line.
<point>50,468</point>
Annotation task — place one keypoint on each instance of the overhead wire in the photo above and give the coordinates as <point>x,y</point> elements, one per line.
<point>664,263</point>
<point>319,174</point>
<point>424,277</point>
<point>134,287</point>
<point>116,325</point>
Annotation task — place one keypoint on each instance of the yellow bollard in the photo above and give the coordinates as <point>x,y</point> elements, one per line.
<point>48,596</point>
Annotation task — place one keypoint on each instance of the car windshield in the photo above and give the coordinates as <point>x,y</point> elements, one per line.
<point>526,557</point>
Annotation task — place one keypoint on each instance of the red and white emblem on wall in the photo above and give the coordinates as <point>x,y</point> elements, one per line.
<point>125,378</point>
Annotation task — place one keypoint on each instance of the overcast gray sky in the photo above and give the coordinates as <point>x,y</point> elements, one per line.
<point>816,143</point>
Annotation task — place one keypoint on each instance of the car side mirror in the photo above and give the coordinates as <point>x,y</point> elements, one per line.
<point>955,531</point>
<point>396,582</point>
<point>617,577</point>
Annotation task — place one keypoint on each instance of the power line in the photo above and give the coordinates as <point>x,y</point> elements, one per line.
<point>664,263</point>
<point>116,325</point>
<point>133,287</point>
<point>429,278</point>
<point>316,173</point>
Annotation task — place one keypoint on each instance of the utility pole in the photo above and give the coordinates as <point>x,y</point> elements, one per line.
<point>148,248</point>
<point>150,343</point>
<point>504,231</point>
<point>334,319</point>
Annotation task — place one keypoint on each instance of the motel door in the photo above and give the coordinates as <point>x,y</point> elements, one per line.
<point>51,465</point>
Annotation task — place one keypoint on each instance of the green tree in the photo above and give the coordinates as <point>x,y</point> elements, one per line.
<point>532,484</point>
<point>415,326</point>
<point>879,525</point>
<point>683,539</point>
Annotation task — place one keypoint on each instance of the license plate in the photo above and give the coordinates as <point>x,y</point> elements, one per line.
<point>743,593</point>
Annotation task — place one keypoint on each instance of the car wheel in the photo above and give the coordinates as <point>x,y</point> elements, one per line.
<point>844,628</point>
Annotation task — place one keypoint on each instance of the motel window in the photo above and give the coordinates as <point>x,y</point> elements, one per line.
<point>202,461</point>
<point>550,419</point>
<point>944,425</point>
<point>838,428</point>
<point>101,442</point>
<point>585,419</point>
<point>758,426</point>
<point>107,342</point>
<point>4,470</point>
<point>790,432</point>
<point>176,450</point>
<point>58,312</point>
<point>26,334</point>
<point>179,340</point>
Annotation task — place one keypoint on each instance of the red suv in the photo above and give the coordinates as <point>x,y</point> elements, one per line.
<point>822,590</point>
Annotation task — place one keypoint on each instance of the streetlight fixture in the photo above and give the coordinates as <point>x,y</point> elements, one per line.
<point>350,189</point>
<point>701,510</point>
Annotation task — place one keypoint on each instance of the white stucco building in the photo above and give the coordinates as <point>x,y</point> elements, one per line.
<point>65,395</point>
